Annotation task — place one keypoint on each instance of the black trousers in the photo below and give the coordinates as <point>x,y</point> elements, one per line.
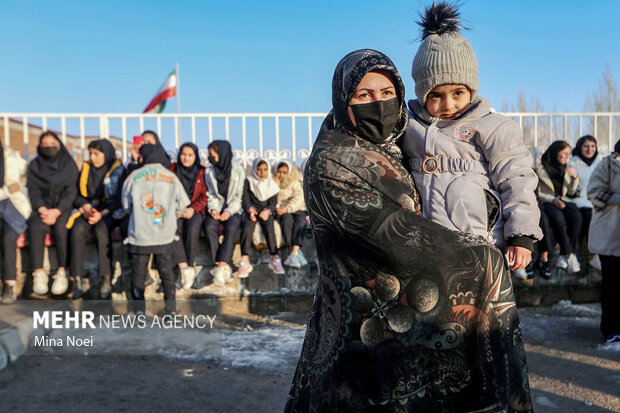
<point>139,272</point>
<point>222,252</point>
<point>79,235</point>
<point>188,230</point>
<point>9,251</point>
<point>586,215</point>
<point>610,295</point>
<point>293,227</point>
<point>248,229</point>
<point>36,236</point>
<point>565,224</point>
<point>546,243</point>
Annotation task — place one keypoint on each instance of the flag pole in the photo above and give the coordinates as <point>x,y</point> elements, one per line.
<point>178,137</point>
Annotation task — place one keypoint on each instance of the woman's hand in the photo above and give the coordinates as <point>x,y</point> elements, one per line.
<point>264,214</point>
<point>572,172</point>
<point>252,214</point>
<point>225,215</point>
<point>188,213</point>
<point>522,257</point>
<point>215,214</point>
<point>558,201</point>
<point>14,187</point>
<point>94,216</point>
<point>51,216</point>
<point>281,210</point>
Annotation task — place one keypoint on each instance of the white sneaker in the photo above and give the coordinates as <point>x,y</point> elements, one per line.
<point>302,260</point>
<point>562,262</point>
<point>61,283</point>
<point>293,260</point>
<point>188,275</point>
<point>219,278</point>
<point>595,262</point>
<point>39,282</point>
<point>520,274</point>
<point>245,268</point>
<point>573,264</point>
<point>228,274</point>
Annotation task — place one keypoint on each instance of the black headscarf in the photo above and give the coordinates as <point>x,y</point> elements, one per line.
<point>167,162</point>
<point>578,152</point>
<point>154,154</point>
<point>223,166</point>
<point>96,175</point>
<point>52,174</point>
<point>188,176</point>
<point>617,147</point>
<point>348,75</point>
<point>550,162</point>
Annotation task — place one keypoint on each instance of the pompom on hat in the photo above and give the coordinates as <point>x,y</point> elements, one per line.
<point>445,56</point>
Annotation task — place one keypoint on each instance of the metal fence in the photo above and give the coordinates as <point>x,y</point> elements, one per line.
<point>275,136</point>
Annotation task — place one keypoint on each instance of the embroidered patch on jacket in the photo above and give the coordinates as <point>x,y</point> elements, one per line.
<point>464,133</point>
<point>158,213</point>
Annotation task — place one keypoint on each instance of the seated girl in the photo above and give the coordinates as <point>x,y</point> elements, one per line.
<point>98,201</point>
<point>260,196</point>
<point>14,210</point>
<point>291,211</point>
<point>191,174</point>
<point>51,188</point>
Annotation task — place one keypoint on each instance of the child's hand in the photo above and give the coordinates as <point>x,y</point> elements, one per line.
<point>522,257</point>
<point>252,213</point>
<point>187,213</point>
<point>281,210</point>
<point>94,216</point>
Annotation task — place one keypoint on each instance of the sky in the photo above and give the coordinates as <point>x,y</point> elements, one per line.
<point>279,56</point>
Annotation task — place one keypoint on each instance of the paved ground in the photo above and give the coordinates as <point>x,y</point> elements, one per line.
<point>570,370</point>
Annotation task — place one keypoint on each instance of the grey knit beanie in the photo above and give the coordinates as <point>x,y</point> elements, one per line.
<point>445,56</point>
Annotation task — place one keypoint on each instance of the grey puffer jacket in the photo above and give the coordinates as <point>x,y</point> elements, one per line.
<point>604,193</point>
<point>216,201</point>
<point>457,164</point>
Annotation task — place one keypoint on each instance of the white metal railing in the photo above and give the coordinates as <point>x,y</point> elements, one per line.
<point>276,136</point>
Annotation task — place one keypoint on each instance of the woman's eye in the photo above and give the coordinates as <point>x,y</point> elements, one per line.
<point>458,93</point>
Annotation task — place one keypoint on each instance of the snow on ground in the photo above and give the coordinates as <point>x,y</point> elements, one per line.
<point>537,322</point>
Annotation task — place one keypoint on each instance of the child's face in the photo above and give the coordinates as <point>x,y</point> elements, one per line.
<point>281,173</point>
<point>262,170</point>
<point>448,101</point>
<point>97,158</point>
<point>188,157</point>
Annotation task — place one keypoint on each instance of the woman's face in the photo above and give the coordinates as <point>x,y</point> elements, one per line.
<point>97,158</point>
<point>262,170</point>
<point>375,86</point>
<point>588,149</point>
<point>563,156</point>
<point>149,138</point>
<point>188,157</point>
<point>49,142</point>
<point>281,173</point>
<point>213,154</point>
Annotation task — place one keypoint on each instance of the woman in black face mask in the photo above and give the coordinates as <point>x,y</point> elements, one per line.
<point>408,315</point>
<point>51,187</point>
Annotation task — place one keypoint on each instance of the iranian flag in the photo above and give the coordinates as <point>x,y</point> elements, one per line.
<point>166,91</point>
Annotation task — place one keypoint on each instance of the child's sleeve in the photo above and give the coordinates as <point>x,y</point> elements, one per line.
<point>126,194</point>
<point>245,199</point>
<point>510,169</point>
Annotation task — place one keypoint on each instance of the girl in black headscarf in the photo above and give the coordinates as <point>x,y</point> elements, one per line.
<point>98,201</point>
<point>408,316</point>
<point>51,187</point>
<point>191,174</point>
<point>149,137</point>
<point>557,184</point>
<point>224,179</point>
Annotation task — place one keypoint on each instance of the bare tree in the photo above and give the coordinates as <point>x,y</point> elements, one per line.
<point>605,99</point>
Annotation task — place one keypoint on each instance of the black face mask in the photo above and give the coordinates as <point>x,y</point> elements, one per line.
<point>211,160</point>
<point>376,121</point>
<point>49,151</point>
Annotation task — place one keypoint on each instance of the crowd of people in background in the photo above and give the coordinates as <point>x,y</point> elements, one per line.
<point>161,207</point>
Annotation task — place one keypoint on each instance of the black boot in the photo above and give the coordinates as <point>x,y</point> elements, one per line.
<point>9,293</point>
<point>78,291</point>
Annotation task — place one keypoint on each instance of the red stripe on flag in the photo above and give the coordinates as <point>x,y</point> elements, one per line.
<point>166,94</point>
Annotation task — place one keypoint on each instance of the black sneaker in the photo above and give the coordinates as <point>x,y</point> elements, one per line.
<point>543,269</point>
<point>529,270</point>
<point>612,338</point>
<point>9,294</point>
